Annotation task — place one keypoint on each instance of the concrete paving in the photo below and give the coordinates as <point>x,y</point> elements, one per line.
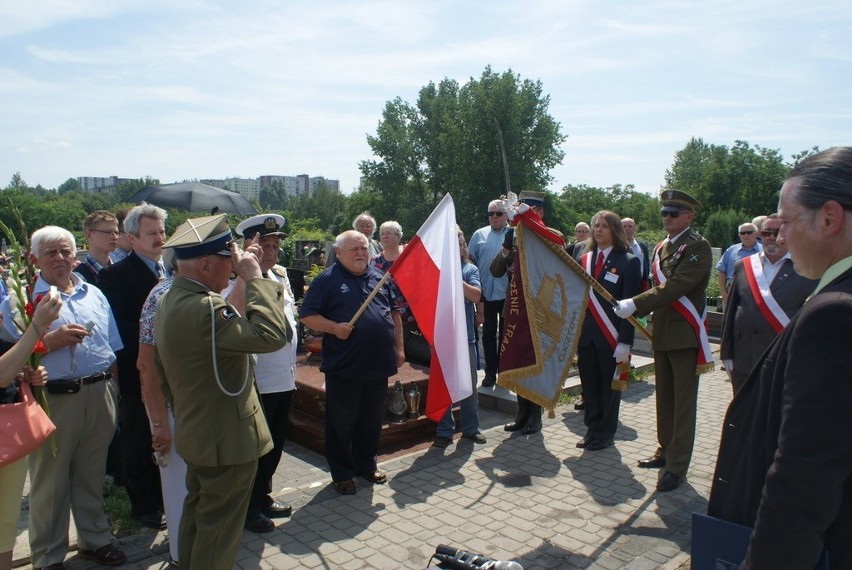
<point>536,499</point>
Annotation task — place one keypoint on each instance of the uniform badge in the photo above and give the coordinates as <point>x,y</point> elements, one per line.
<point>227,314</point>
<point>693,257</point>
<point>344,288</point>
<point>270,225</point>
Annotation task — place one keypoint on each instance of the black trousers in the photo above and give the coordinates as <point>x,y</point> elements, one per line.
<point>596,367</point>
<point>276,408</point>
<point>492,334</point>
<point>143,476</point>
<point>354,410</point>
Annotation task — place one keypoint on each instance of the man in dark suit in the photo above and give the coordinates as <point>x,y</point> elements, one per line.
<point>126,285</point>
<point>639,249</point>
<point>785,460</point>
<point>765,293</point>
<point>681,268</point>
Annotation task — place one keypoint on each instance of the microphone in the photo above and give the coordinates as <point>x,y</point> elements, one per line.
<point>456,559</point>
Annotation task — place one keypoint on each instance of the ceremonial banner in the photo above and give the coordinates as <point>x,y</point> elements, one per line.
<point>543,316</point>
<point>428,273</point>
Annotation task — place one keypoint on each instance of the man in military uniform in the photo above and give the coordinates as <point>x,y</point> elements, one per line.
<point>275,372</point>
<point>204,360</point>
<point>680,268</point>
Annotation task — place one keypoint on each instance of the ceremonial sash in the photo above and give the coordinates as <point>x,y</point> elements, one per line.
<point>604,324</point>
<point>622,369</point>
<point>759,287</point>
<point>685,308</point>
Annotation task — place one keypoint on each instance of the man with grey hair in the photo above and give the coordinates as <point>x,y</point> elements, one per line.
<point>365,224</point>
<point>765,293</point>
<point>357,358</point>
<point>725,267</point>
<point>785,458</point>
<point>126,285</point>
<point>484,245</point>
<point>79,359</point>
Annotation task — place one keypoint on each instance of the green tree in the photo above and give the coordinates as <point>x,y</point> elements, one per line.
<point>273,196</point>
<point>70,185</point>
<point>127,189</point>
<point>449,142</point>
<point>742,178</point>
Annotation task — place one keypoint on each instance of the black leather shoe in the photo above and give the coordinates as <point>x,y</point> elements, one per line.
<point>489,380</point>
<point>276,510</point>
<point>475,437</point>
<point>669,482</point>
<point>375,476</point>
<point>598,444</point>
<point>583,443</point>
<point>155,520</point>
<point>580,405</point>
<point>515,425</point>
<point>653,462</point>
<point>259,523</point>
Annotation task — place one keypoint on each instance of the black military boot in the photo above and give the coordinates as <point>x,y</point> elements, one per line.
<point>521,418</point>
<point>533,424</point>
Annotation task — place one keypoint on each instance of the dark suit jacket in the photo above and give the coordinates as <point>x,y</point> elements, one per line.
<point>126,285</point>
<point>785,459</point>
<point>687,272</point>
<point>626,267</point>
<point>646,265</point>
<point>745,333</point>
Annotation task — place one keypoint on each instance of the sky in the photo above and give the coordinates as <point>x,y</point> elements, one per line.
<point>191,89</point>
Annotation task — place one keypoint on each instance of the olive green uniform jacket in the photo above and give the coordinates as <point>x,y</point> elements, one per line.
<point>687,273</point>
<point>213,428</point>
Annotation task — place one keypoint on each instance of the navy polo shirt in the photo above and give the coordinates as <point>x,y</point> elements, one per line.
<point>337,294</point>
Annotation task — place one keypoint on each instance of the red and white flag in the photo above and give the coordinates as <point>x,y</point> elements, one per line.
<point>428,273</point>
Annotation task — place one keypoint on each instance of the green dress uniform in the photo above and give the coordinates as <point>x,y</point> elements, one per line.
<point>204,358</point>
<point>686,264</point>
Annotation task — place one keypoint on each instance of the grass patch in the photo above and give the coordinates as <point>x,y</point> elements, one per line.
<point>118,510</point>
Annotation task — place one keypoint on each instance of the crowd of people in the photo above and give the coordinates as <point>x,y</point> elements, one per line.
<point>195,334</point>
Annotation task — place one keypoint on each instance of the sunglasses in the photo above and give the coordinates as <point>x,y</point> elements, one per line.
<point>670,213</point>
<point>769,233</point>
<point>492,214</point>
<point>747,233</point>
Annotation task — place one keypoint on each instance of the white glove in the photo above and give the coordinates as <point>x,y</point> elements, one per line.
<point>625,308</point>
<point>622,352</point>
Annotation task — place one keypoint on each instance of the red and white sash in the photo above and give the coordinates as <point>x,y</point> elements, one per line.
<point>685,308</point>
<point>604,324</point>
<point>758,284</point>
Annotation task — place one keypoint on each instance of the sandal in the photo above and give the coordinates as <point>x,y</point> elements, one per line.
<point>107,555</point>
<point>346,487</point>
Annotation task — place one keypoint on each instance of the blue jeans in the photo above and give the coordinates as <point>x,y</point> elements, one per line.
<point>468,408</point>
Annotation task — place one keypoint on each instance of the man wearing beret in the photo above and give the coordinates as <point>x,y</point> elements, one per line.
<point>204,357</point>
<point>275,372</point>
<point>680,267</point>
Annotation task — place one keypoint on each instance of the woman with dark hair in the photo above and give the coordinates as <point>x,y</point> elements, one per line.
<point>603,352</point>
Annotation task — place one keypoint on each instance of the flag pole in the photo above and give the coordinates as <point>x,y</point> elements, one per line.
<point>593,283</point>
<point>370,297</point>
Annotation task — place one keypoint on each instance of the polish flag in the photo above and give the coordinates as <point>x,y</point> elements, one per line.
<point>428,273</point>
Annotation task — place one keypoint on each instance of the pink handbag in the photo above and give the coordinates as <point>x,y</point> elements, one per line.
<point>24,426</point>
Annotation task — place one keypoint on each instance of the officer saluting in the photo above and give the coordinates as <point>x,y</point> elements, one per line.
<point>204,360</point>
<point>680,268</point>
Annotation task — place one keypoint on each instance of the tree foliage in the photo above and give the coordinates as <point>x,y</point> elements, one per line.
<point>449,143</point>
<point>742,178</point>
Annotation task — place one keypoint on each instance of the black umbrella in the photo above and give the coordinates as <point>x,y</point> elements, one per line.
<point>195,197</point>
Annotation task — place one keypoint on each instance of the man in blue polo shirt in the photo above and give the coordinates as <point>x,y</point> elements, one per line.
<point>748,246</point>
<point>357,359</point>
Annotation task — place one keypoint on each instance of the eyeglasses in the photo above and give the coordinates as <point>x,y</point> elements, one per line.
<point>108,232</point>
<point>769,233</point>
<point>492,214</point>
<point>670,213</point>
<point>747,233</point>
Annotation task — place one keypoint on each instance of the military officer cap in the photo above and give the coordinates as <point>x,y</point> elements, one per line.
<point>531,198</point>
<point>678,199</point>
<point>263,224</point>
<point>197,237</point>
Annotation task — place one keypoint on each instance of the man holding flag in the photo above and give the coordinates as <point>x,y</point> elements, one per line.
<point>358,356</point>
